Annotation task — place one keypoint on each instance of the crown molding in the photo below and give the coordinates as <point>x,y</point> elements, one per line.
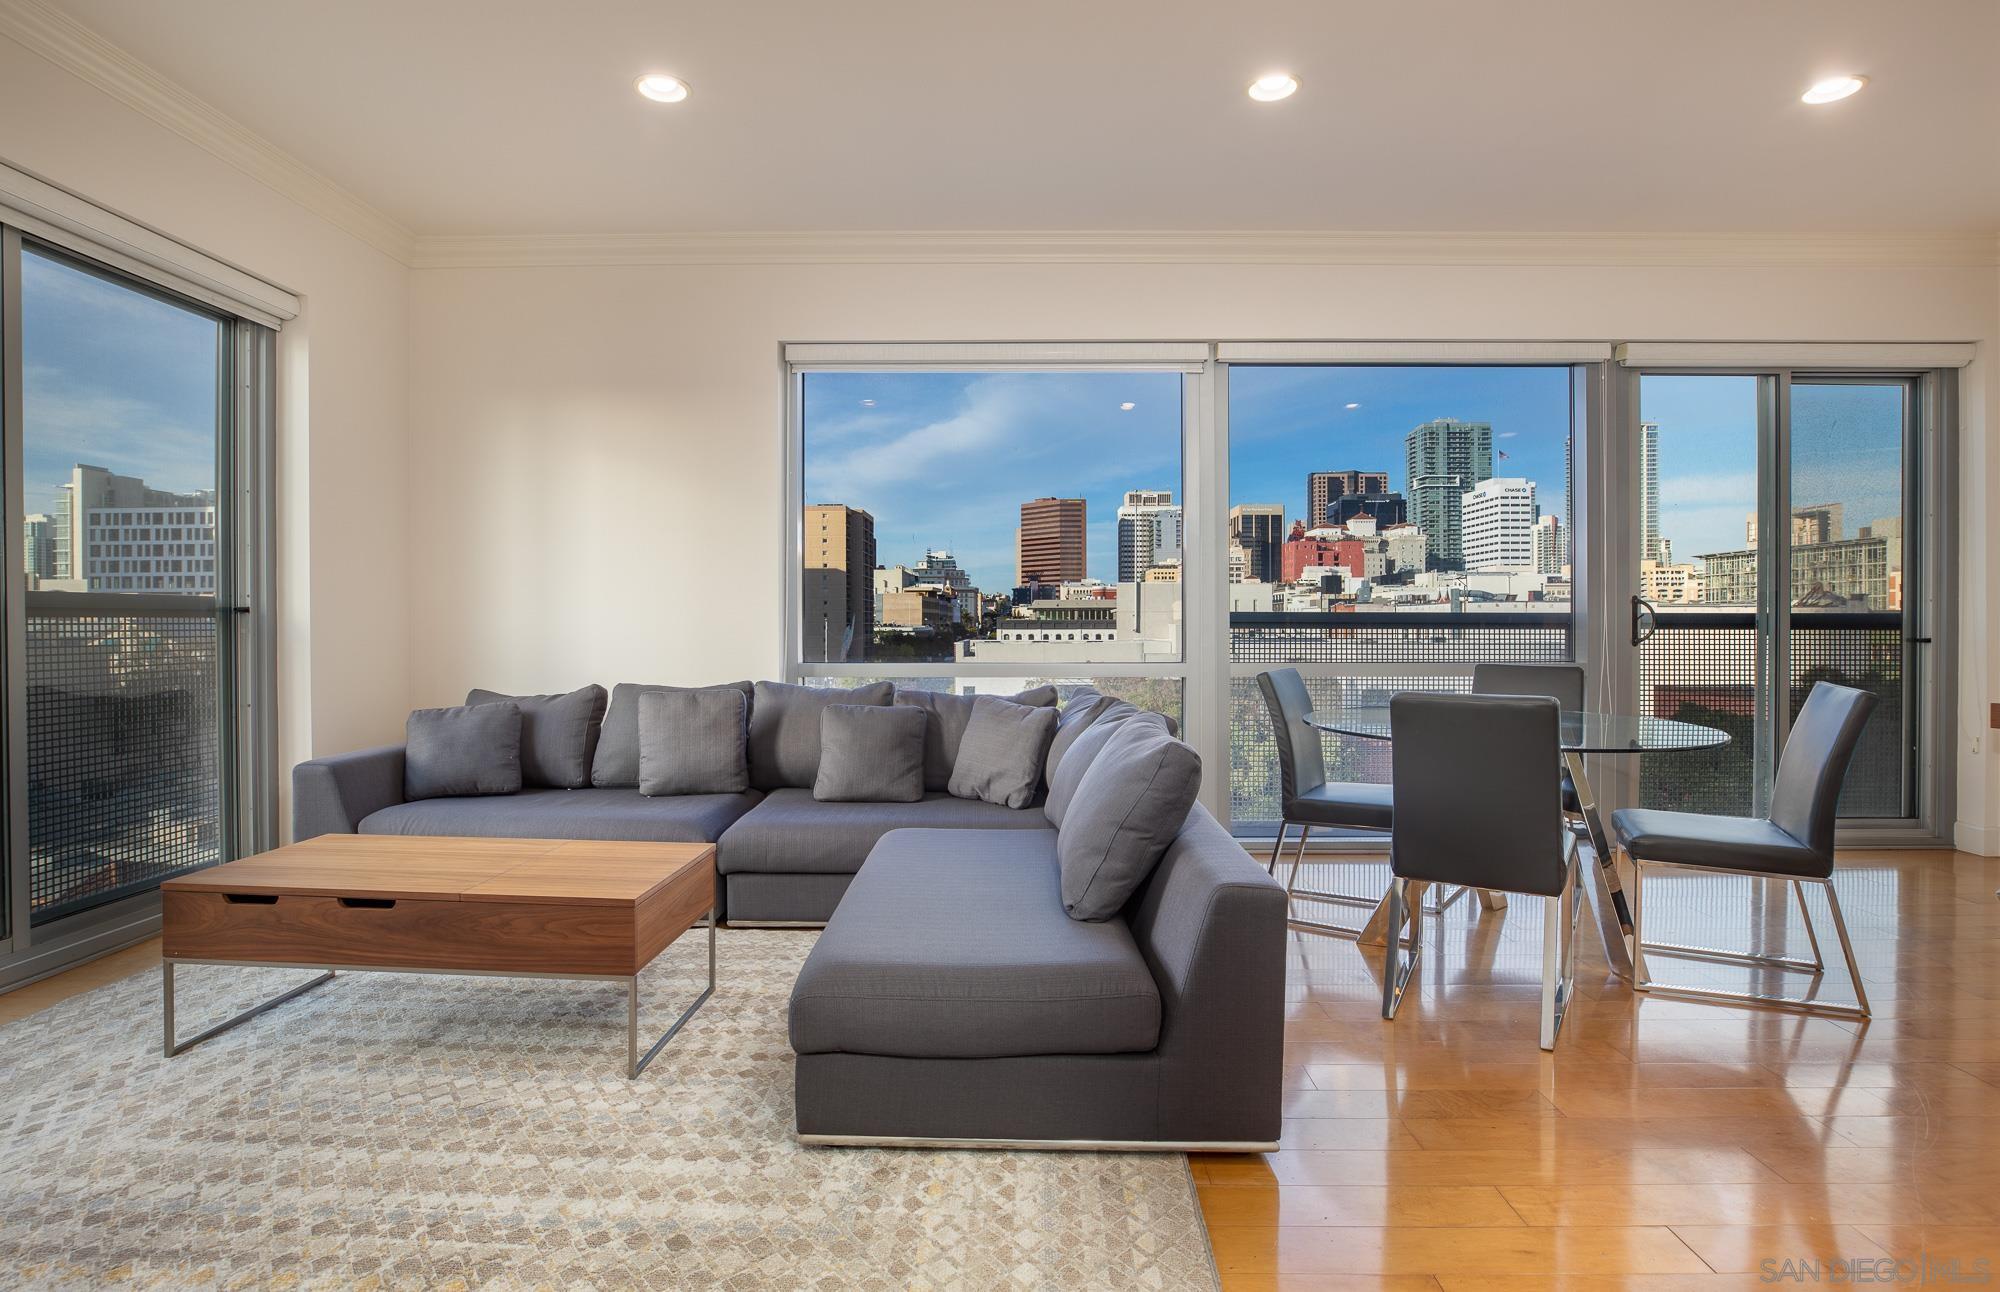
<point>1913,250</point>
<point>83,53</point>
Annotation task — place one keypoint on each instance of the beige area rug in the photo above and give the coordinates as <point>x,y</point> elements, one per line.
<point>429,1132</point>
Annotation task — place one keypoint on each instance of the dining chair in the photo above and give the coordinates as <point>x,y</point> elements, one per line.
<point>1565,682</point>
<point>1307,799</point>
<point>1478,803</point>
<point>1793,845</point>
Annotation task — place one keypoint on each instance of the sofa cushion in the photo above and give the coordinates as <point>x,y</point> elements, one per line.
<point>870,753</point>
<point>694,742</point>
<point>1000,759</point>
<point>790,832</point>
<point>1083,752</point>
<point>953,944</point>
<point>471,750</point>
<point>1084,708</point>
<point>558,733</point>
<point>617,759</point>
<point>784,729</point>
<point>1129,808</point>
<point>568,814</point>
<point>944,730</point>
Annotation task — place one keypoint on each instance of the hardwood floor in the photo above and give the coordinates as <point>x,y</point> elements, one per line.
<point>1664,1144</point>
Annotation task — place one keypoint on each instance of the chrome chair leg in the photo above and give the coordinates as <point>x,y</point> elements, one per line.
<point>1293,892</point>
<point>1277,848</point>
<point>1642,979</point>
<point>1559,915</point>
<point>1812,935</point>
<point>1397,972</point>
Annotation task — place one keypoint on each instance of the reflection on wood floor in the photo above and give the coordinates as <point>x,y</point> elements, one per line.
<point>1665,1143</point>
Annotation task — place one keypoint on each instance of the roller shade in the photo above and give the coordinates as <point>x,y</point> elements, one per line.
<point>62,219</point>
<point>1800,354</point>
<point>1414,351</point>
<point>1055,354</point>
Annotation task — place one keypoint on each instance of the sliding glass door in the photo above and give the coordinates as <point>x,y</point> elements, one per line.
<point>1777,546</point>
<point>132,489</point>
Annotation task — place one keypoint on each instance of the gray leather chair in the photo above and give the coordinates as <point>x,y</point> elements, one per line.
<point>1307,799</point>
<point>1793,845</point>
<point>1478,802</point>
<point>1565,682</point>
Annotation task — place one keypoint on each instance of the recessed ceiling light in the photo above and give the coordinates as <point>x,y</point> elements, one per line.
<point>1354,405</point>
<point>1127,406</point>
<point>661,88</point>
<point>1833,89</point>
<point>1275,86</point>
<point>868,403</point>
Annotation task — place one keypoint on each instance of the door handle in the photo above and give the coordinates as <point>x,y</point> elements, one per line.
<point>1645,620</point>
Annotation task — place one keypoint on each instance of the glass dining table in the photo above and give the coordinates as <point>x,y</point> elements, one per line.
<point>1582,733</point>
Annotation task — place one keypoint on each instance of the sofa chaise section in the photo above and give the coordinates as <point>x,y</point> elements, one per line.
<point>952,1001</point>
<point>789,860</point>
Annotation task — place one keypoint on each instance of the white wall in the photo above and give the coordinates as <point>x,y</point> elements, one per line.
<point>342,511</point>
<point>600,448</point>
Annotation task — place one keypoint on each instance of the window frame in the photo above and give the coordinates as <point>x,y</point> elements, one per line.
<point>242,607</point>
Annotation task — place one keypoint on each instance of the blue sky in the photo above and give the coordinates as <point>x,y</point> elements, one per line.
<point>115,378</point>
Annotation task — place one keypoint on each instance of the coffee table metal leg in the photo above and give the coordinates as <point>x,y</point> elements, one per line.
<point>173,1047</point>
<point>634,1062</point>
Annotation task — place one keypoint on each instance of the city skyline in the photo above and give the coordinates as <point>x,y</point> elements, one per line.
<point>917,450</point>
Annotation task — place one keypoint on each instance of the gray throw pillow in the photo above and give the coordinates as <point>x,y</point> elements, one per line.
<point>1083,751</point>
<point>1084,708</point>
<point>694,742</point>
<point>1000,758</point>
<point>558,734</point>
<point>1129,809</point>
<point>870,753</point>
<point>617,761</point>
<point>784,730</point>
<point>946,729</point>
<point>472,750</point>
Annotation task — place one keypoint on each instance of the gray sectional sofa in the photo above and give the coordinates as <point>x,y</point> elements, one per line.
<point>952,998</point>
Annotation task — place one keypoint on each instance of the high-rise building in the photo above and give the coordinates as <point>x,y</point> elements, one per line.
<point>1499,524</point>
<point>1050,547</point>
<point>113,533</point>
<point>1322,487</point>
<point>1551,545</point>
<point>1259,528</point>
<point>1149,531</point>
<point>1446,458</point>
<point>1651,544</point>
<point>838,581</point>
<point>37,554</point>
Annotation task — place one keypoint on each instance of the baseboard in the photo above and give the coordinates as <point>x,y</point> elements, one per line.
<point>1983,840</point>
<point>1042,1145</point>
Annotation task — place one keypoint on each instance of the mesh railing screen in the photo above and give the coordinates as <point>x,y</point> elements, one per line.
<point>1406,637</point>
<point>123,781</point>
<point>1867,655</point>
<point>1705,672</point>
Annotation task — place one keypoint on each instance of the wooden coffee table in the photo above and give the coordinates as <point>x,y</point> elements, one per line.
<point>526,908</point>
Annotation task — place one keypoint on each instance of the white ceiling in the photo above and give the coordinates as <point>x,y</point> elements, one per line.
<point>518,116</point>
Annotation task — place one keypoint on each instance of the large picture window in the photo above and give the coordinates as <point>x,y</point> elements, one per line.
<point>1170,527</point>
<point>996,518</point>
